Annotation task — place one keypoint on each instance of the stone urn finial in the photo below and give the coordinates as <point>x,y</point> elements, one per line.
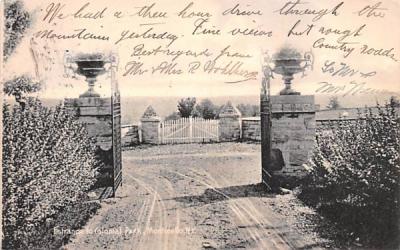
<point>288,61</point>
<point>89,65</point>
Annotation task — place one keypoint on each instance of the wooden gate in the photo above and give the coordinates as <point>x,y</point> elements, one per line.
<point>189,130</point>
<point>116,128</point>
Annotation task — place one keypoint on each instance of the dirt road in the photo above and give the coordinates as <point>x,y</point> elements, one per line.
<point>197,196</point>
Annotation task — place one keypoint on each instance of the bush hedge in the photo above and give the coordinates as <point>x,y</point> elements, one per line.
<point>355,173</point>
<point>48,165</point>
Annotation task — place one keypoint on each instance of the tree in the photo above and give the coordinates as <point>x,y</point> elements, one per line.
<point>173,116</point>
<point>249,110</point>
<point>196,111</point>
<point>394,102</point>
<point>207,109</point>
<point>333,103</point>
<point>17,20</point>
<point>186,106</point>
<point>19,87</point>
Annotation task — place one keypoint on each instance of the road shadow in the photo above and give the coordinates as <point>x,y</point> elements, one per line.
<point>212,195</point>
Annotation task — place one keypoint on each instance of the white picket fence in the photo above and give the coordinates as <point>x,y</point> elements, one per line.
<point>189,130</point>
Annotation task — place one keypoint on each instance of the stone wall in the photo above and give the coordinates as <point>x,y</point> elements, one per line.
<point>251,129</point>
<point>130,136</point>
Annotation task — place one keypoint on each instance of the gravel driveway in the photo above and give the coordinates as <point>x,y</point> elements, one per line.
<point>197,196</point>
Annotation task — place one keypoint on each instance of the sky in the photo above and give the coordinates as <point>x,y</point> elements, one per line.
<point>378,33</point>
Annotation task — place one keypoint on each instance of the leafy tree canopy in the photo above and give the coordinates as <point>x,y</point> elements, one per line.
<point>186,106</point>
<point>333,103</point>
<point>207,109</point>
<point>17,20</point>
<point>19,87</point>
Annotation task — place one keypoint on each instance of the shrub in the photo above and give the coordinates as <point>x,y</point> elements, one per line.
<point>68,222</point>
<point>48,164</point>
<point>355,173</point>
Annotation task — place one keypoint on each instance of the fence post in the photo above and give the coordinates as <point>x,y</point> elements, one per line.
<point>217,130</point>
<point>162,132</point>
<point>190,129</point>
<point>140,133</point>
<point>159,132</point>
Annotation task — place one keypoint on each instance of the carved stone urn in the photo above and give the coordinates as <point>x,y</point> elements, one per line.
<point>90,66</point>
<point>289,61</point>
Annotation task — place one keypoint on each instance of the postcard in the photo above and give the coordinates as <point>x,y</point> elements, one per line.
<point>258,124</point>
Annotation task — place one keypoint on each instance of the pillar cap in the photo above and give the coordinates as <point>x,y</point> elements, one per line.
<point>150,114</point>
<point>228,110</point>
<point>293,104</point>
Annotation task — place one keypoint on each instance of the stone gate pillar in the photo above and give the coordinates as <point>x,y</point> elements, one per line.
<point>150,126</point>
<point>293,132</point>
<point>100,116</point>
<point>229,123</point>
<point>95,114</point>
